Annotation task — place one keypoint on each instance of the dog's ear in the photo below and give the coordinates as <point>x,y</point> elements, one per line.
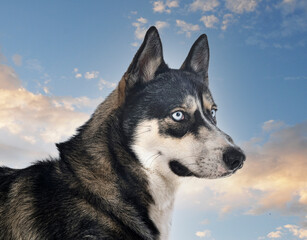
<point>198,58</point>
<point>145,64</point>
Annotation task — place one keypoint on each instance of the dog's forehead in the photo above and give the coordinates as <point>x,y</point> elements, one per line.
<point>190,86</point>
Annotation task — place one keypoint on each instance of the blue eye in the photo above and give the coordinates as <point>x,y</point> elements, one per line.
<point>213,113</point>
<point>178,116</point>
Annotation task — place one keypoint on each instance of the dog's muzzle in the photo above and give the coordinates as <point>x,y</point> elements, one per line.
<point>233,158</point>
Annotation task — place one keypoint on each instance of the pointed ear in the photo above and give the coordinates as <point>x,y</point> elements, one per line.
<point>145,63</point>
<point>198,58</point>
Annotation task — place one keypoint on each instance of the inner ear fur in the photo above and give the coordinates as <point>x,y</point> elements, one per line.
<point>145,64</point>
<point>198,58</point>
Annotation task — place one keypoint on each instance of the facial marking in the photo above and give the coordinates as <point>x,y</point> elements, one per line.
<point>200,155</point>
<point>207,100</point>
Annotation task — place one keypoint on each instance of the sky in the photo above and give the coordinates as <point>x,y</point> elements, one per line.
<point>60,59</point>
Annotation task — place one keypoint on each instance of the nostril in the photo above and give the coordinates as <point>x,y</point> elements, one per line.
<point>233,158</point>
<point>235,164</point>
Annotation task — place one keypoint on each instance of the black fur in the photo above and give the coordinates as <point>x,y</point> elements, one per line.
<point>98,189</point>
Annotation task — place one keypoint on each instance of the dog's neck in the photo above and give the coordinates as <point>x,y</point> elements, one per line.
<point>158,197</point>
<point>163,190</point>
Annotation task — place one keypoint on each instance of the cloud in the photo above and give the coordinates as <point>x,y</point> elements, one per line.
<point>209,21</point>
<point>276,234</point>
<point>271,125</point>
<point>241,6</point>
<point>17,59</point>
<point>227,19</point>
<point>78,75</point>
<point>272,179</point>
<point>204,5</point>
<point>160,6</point>
<point>142,20</point>
<point>187,28</point>
<point>297,231</point>
<point>23,113</point>
<point>160,25</point>
<point>91,75</point>
<point>31,123</point>
<point>204,234</point>
<point>140,30</point>
<point>288,231</point>
<point>103,83</point>
<point>8,78</point>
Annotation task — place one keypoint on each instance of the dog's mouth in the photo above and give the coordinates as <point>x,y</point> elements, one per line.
<point>180,169</point>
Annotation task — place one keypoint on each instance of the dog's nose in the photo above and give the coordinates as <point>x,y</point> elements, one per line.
<point>233,158</point>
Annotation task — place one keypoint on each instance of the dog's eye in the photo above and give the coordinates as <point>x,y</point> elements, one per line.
<point>213,113</point>
<point>178,116</point>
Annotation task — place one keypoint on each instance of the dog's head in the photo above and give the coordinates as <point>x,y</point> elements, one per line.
<point>169,116</point>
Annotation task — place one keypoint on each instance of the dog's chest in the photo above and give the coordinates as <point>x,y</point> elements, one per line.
<point>161,211</point>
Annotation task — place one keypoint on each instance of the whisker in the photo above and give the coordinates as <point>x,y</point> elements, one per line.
<point>148,130</point>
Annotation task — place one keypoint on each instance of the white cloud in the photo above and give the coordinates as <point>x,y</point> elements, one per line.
<point>140,30</point>
<point>17,59</point>
<point>276,234</point>
<point>31,123</point>
<point>46,90</point>
<point>172,4</point>
<point>271,125</point>
<point>187,28</point>
<point>91,75</point>
<point>160,25</point>
<point>78,75</point>
<point>227,19</point>
<point>288,231</point>
<point>204,234</point>
<point>135,44</point>
<point>103,83</point>
<point>34,115</point>
<point>297,231</point>
<point>241,6</point>
<point>209,21</point>
<point>160,6</point>
<point>142,20</point>
<point>204,5</point>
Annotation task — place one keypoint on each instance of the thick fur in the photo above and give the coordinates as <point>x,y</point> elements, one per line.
<point>117,177</point>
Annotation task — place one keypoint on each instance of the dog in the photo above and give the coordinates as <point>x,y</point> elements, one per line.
<point>116,178</point>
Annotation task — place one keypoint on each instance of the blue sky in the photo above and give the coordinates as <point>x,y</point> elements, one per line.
<point>59,59</point>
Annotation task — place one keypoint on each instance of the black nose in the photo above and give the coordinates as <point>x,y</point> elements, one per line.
<point>233,158</point>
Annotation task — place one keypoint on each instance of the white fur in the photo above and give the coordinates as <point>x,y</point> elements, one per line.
<point>202,156</point>
<point>162,189</point>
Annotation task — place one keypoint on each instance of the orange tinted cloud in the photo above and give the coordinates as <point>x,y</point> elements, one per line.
<point>273,178</point>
